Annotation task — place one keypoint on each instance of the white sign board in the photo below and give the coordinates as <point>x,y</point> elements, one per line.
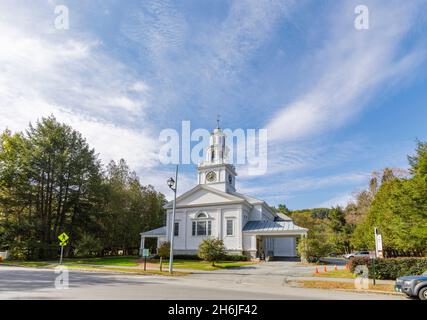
<point>379,243</point>
<point>145,252</point>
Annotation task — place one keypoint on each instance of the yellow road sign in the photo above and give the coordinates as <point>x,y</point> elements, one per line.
<point>63,237</point>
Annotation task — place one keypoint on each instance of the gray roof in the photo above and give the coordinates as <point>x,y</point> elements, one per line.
<point>155,232</point>
<point>282,217</point>
<point>271,227</point>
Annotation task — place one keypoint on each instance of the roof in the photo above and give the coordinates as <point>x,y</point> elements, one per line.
<point>249,199</point>
<point>282,217</point>
<point>155,232</point>
<point>273,227</point>
<point>230,196</point>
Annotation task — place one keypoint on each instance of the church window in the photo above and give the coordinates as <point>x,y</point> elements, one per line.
<point>201,227</point>
<point>176,229</point>
<point>193,229</point>
<point>230,227</point>
<point>209,228</point>
<point>202,215</point>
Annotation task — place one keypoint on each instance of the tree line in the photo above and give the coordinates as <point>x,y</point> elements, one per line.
<point>395,202</point>
<point>51,181</point>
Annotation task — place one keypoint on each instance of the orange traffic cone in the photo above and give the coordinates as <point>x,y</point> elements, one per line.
<point>317,270</point>
<point>324,269</point>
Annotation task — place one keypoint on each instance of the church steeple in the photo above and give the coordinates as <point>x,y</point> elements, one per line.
<point>215,169</point>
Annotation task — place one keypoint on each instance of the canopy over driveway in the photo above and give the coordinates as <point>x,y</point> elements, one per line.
<point>272,238</point>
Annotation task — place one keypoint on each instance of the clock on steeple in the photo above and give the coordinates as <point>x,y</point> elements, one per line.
<point>215,171</point>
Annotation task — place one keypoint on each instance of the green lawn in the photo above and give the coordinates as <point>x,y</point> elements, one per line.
<point>132,261</point>
<point>133,271</point>
<point>127,261</point>
<point>28,263</point>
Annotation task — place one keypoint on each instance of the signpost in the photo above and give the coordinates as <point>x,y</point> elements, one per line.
<point>378,244</point>
<point>63,238</point>
<point>145,254</point>
<point>378,250</point>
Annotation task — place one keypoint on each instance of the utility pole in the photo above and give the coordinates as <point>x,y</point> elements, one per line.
<point>173,185</point>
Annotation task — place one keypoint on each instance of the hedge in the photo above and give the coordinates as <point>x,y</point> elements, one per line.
<point>391,268</point>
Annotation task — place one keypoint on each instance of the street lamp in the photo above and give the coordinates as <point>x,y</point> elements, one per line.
<point>173,185</point>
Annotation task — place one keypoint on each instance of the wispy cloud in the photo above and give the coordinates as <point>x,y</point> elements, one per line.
<point>341,200</point>
<point>67,76</point>
<point>354,63</point>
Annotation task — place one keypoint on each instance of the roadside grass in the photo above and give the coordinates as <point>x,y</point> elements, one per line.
<point>132,261</point>
<point>125,270</point>
<point>202,265</point>
<point>20,263</point>
<point>336,274</point>
<point>125,261</point>
<point>342,285</point>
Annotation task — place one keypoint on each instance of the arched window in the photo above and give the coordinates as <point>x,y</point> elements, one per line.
<point>201,226</point>
<point>202,215</point>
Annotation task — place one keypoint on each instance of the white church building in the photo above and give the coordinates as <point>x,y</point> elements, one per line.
<point>213,208</point>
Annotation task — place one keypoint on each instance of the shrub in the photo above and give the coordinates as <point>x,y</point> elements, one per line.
<point>312,249</point>
<point>186,256</point>
<point>88,246</point>
<point>164,250</point>
<point>236,257</point>
<point>211,250</point>
<point>391,268</point>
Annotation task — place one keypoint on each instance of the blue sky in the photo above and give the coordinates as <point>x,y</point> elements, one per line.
<point>338,103</point>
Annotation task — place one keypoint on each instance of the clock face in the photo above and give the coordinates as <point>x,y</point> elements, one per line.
<point>211,176</point>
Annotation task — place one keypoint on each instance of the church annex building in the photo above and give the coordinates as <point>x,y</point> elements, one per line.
<point>213,208</point>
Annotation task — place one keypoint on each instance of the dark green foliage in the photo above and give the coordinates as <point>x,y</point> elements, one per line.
<point>395,202</point>
<point>88,246</point>
<point>399,211</point>
<point>164,250</point>
<point>236,257</point>
<point>187,256</point>
<point>391,268</point>
<point>51,182</point>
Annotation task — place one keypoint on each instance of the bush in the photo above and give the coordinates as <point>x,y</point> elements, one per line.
<point>187,256</point>
<point>88,246</point>
<point>236,257</point>
<point>164,250</point>
<point>391,268</point>
<point>211,250</point>
<point>312,249</point>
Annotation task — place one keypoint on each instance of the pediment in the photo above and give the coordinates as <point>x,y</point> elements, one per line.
<point>202,195</point>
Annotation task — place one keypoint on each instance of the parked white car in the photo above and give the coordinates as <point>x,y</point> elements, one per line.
<point>357,254</point>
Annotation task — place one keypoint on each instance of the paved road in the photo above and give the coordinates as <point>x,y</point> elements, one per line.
<point>266,281</point>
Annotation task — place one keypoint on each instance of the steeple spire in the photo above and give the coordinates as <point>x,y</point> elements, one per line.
<point>218,117</point>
